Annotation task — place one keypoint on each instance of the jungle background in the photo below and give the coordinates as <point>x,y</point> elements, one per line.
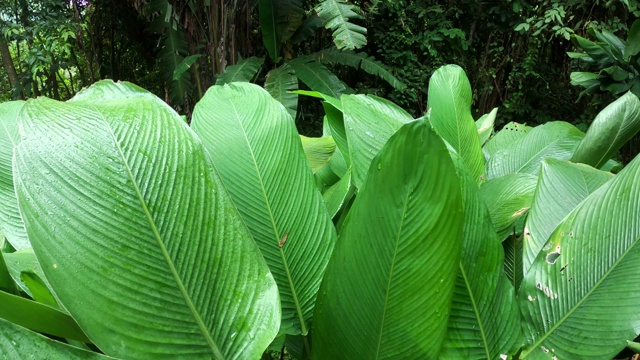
<point>514,51</point>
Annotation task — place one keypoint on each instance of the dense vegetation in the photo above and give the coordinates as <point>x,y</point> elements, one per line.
<point>260,199</point>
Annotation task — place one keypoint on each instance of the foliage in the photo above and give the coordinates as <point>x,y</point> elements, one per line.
<point>213,241</point>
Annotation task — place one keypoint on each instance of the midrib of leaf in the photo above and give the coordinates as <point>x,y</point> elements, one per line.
<point>604,153</point>
<point>579,303</point>
<point>273,226</point>
<point>165,253</point>
<point>538,153</point>
<point>393,263</point>
<point>319,79</point>
<point>475,307</point>
<point>343,20</point>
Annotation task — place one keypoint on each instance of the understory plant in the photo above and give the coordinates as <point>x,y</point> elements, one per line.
<point>130,234</point>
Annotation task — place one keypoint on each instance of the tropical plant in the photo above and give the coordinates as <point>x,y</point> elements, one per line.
<point>614,63</point>
<point>147,238</point>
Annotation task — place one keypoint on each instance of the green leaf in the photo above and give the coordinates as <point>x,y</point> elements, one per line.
<point>17,342</point>
<point>185,65</point>
<point>256,148</point>
<point>508,199</point>
<point>173,48</point>
<point>244,71</point>
<point>610,130</point>
<point>554,139</point>
<point>337,15</point>
<point>279,19</point>
<point>633,346</point>
<point>504,138</point>
<point>513,254</point>
<point>317,77</point>
<point>633,41</point>
<point>562,186</point>
<point>135,232</point>
<point>580,297</point>
<point>369,121</point>
<point>359,61</point>
<point>39,317</point>
<point>24,261</point>
<point>318,151</point>
<point>611,44</point>
<point>11,224</point>
<point>307,29</point>
<point>594,50</point>
<point>450,106</point>
<point>338,194</point>
<point>485,125</point>
<point>7,284</point>
<point>485,320</point>
<point>388,287</point>
<point>39,289</point>
<point>279,83</point>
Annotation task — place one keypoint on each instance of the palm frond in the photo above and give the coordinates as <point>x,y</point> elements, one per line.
<point>336,15</point>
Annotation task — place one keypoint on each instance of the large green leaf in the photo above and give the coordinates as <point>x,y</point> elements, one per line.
<point>388,288</point>
<point>19,343</point>
<point>11,224</point>
<point>504,138</point>
<point>359,61</point>
<point>279,83</point>
<point>555,139</point>
<point>508,199</point>
<point>580,297</point>
<point>135,232</point>
<point>562,186</point>
<point>485,125</point>
<point>24,261</point>
<point>338,194</point>
<point>337,15</point>
<point>484,321</point>
<point>255,146</point>
<point>633,41</point>
<point>7,283</point>
<point>244,71</point>
<point>271,27</point>
<point>318,151</point>
<point>317,77</point>
<point>450,106</point>
<point>612,128</point>
<point>369,121</point>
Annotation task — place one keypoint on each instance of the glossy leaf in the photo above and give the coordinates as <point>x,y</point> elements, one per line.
<point>369,121</point>
<point>279,83</point>
<point>24,261</point>
<point>39,289</point>
<point>484,321</point>
<point>612,128</point>
<point>17,342</point>
<point>508,199</point>
<point>7,284</point>
<point>579,299</point>
<point>485,125</point>
<point>135,232</point>
<point>562,186</point>
<point>317,77</point>
<point>11,224</point>
<point>388,287</point>
<point>556,140</point>
<point>255,146</point>
<point>318,151</point>
<point>450,106</point>
<point>513,259</point>
<point>337,15</point>
<point>339,193</point>
<point>244,71</point>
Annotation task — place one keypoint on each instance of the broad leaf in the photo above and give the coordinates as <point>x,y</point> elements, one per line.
<point>359,61</point>
<point>556,140</point>
<point>388,287</point>
<point>244,71</point>
<point>562,186</point>
<point>279,83</point>
<point>369,121</point>
<point>612,128</point>
<point>484,321</point>
<point>633,41</point>
<point>339,193</point>
<point>317,77</point>
<point>508,199</point>
<point>11,224</point>
<point>504,138</point>
<point>279,19</point>
<point>17,342</point>
<point>337,15</point>
<point>24,261</point>
<point>485,125</point>
<point>185,65</point>
<point>7,284</point>
<point>318,151</point>
<point>580,297</point>
<point>135,232</point>
<point>513,259</point>
<point>450,106</point>
<point>255,146</point>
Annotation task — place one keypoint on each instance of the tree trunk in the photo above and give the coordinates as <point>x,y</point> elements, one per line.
<point>7,63</point>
